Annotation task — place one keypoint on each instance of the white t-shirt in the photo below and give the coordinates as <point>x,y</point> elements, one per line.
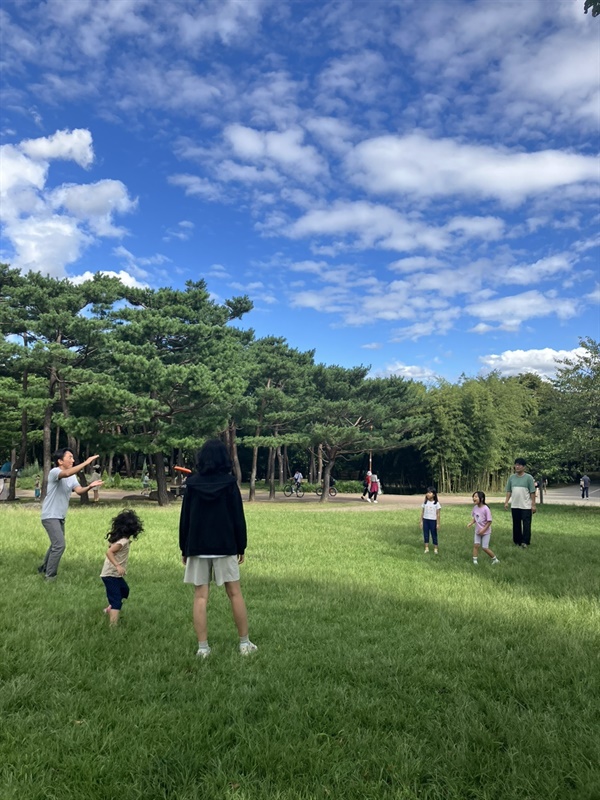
<point>58,494</point>
<point>430,509</point>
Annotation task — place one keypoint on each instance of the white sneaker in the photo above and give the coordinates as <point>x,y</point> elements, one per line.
<point>247,647</point>
<point>475,561</point>
<point>495,560</point>
<point>203,652</point>
<point>375,501</point>
<point>368,499</point>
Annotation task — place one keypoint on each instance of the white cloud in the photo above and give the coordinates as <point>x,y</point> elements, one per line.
<point>410,372</point>
<point>372,346</point>
<point>50,228</point>
<point>283,148</point>
<point>75,145</point>
<point>543,362</point>
<point>196,186</point>
<point>436,323</point>
<point>417,164</point>
<point>511,311</point>
<point>95,203</point>
<point>125,278</point>
<point>223,19</point>
<point>539,271</point>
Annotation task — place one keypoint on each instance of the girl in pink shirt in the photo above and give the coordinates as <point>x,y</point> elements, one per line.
<point>482,519</point>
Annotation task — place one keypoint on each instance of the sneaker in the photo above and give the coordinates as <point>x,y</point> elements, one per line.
<point>475,561</point>
<point>203,652</point>
<point>247,647</point>
<point>368,499</point>
<point>41,569</point>
<point>524,546</point>
<point>375,501</point>
<point>495,560</point>
<point>435,552</point>
<point>426,550</point>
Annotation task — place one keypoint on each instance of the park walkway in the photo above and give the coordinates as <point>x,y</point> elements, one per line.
<point>563,495</point>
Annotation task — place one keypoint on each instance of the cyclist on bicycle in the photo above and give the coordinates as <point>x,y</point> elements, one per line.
<point>298,478</point>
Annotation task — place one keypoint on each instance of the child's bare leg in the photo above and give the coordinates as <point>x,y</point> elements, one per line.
<point>113,616</point>
<point>238,606</point>
<point>200,603</point>
<point>475,551</point>
<point>489,552</point>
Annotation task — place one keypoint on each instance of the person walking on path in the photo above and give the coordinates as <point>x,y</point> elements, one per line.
<point>61,482</point>
<point>482,519</point>
<point>212,539</point>
<point>37,488</point>
<point>366,484</point>
<point>124,526</point>
<point>373,489</point>
<point>585,486</point>
<point>520,492</point>
<point>95,477</point>
<point>430,519</point>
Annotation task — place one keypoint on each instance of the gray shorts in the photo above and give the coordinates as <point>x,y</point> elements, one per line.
<point>198,570</point>
<point>484,540</point>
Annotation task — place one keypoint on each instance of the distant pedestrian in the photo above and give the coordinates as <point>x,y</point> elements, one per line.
<point>482,519</point>
<point>298,478</point>
<point>37,488</point>
<point>125,526</point>
<point>366,485</point>
<point>520,492</point>
<point>61,482</point>
<point>373,489</point>
<point>95,477</point>
<point>430,519</point>
<point>585,486</point>
<point>212,539</point>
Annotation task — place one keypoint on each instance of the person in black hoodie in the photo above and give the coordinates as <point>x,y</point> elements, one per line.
<point>212,539</point>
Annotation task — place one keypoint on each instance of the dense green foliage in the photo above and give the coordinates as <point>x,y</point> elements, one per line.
<point>142,376</point>
<point>381,673</point>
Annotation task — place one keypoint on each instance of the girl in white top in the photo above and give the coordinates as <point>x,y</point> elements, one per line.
<point>125,526</point>
<point>430,519</point>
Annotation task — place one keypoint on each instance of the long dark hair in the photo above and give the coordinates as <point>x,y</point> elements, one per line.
<point>125,525</point>
<point>481,496</point>
<point>434,493</point>
<point>213,458</point>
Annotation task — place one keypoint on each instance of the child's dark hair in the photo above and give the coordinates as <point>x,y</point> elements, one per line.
<point>433,491</point>
<point>213,458</point>
<point>480,495</point>
<point>125,525</point>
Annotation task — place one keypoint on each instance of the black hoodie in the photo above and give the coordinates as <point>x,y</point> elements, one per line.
<point>212,521</point>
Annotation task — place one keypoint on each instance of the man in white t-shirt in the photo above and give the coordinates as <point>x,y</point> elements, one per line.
<point>61,482</point>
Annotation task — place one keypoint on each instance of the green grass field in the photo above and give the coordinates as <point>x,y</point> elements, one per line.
<point>381,672</point>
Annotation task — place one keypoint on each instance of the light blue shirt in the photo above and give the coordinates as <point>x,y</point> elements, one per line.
<point>56,502</point>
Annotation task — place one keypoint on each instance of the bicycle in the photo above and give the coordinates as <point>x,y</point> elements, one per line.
<point>332,491</point>
<point>289,489</point>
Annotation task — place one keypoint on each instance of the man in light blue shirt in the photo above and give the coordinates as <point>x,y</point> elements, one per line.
<point>61,482</point>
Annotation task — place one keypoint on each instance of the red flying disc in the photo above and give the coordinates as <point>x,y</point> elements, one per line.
<point>185,470</point>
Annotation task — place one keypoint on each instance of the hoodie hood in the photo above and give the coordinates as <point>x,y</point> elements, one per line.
<point>209,487</point>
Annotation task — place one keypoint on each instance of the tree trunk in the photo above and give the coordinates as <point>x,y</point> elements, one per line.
<point>280,467</point>
<point>252,494</point>
<point>311,467</point>
<point>47,446</point>
<point>320,464</point>
<point>233,450</point>
<point>271,473</point>
<point>326,476</point>
<point>161,480</point>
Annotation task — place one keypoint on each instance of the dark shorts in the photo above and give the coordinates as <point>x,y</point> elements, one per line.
<point>117,590</point>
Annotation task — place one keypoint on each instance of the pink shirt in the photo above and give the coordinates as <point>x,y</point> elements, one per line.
<point>481,515</point>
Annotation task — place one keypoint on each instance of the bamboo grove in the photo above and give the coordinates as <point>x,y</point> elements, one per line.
<point>101,367</point>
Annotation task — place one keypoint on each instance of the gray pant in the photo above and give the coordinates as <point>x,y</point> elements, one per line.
<point>55,528</point>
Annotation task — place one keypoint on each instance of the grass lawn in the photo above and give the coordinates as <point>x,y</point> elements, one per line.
<point>381,672</point>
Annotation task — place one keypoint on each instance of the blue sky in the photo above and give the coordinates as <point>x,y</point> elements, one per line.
<point>409,185</point>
